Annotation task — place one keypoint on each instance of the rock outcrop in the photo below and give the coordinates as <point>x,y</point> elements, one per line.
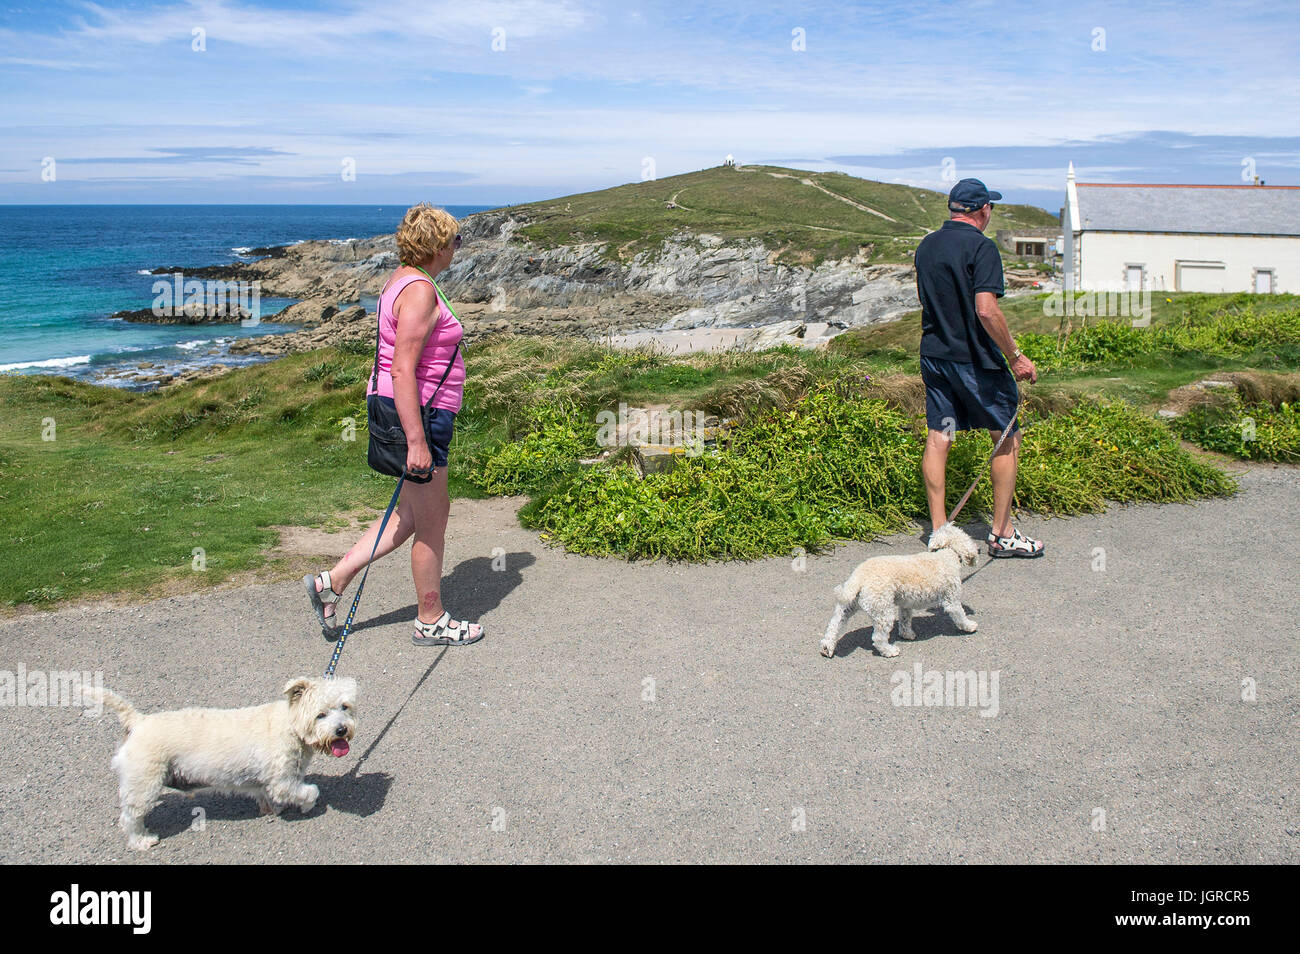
<point>193,313</point>
<point>500,281</point>
<point>690,281</point>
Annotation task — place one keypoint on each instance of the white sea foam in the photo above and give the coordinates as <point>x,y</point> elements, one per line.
<point>49,363</point>
<point>191,345</point>
<point>242,249</point>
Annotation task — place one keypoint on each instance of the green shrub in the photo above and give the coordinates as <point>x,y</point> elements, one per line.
<point>1249,431</point>
<point>843,467</point>
<point>557,436</point>
<point>1075,462</point>
<point>1235,332</point>
<point>318,371</point>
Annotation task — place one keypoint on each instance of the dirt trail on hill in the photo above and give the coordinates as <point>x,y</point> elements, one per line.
<point>834,195</point>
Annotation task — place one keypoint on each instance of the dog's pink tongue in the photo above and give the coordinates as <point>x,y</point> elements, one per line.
<point>339,748</point>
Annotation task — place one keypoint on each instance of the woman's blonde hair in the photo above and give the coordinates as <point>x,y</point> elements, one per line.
<point>425,231</point>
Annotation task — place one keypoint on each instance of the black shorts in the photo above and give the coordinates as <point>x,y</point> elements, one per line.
<point>964,397</point>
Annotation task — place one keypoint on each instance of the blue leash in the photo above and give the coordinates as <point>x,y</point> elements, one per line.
<point>356,600</point>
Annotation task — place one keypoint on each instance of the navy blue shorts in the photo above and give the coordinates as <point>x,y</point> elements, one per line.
<point>438,426</point>
<point>964,397</point>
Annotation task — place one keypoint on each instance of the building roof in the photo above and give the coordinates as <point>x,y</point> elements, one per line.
<point>1202,209</point>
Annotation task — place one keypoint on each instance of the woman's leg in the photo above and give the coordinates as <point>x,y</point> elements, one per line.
<point>400,527</point>
<point>431,505</point>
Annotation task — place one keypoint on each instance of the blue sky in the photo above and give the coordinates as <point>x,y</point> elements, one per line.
<point>281,95</point>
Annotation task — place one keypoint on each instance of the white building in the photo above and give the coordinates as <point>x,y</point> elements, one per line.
<point>1204,238</point>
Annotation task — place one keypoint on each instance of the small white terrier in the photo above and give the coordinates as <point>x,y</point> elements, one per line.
<point>891,588</point>
<point>262,751</point>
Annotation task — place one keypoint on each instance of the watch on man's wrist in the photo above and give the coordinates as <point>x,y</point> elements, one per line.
<point>1018,354</point>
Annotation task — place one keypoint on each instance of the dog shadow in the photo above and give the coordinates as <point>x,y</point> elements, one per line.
<point>178,813</point>
<point>925,627</point>
<point>356,794</point>
<point>474,587</point>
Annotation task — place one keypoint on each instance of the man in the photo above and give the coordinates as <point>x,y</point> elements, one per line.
<point>964,337</point>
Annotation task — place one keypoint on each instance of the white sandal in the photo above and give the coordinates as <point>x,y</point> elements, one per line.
<point>441,634</point>
<point>326,595</point>
<point>1016,545</point>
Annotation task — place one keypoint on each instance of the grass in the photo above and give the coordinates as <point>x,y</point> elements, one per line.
<point>1191,336</point>
<point>800,223</point>
<point>132,483</point>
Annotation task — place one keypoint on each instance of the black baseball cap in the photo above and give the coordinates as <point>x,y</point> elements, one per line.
<point>969,195</point>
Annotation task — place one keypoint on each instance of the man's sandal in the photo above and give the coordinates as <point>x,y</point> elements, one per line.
<point>443,634</point>
<point>1015,545</point>
<point>326,595</point>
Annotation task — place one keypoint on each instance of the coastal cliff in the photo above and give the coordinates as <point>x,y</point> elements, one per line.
<point>713,249</point>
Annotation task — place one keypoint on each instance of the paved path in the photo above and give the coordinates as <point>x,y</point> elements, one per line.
<point>1120,691</point>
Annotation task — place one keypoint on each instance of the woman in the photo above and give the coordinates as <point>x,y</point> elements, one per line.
<point>418,338</point>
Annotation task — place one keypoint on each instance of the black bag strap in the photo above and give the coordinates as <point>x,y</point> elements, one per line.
<point>450,364</point>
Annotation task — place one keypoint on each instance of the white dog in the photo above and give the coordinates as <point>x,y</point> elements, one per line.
<point>262,750</point>
<point>892,587</point>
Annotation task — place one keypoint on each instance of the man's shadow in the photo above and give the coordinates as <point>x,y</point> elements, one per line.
<point>475,588</point>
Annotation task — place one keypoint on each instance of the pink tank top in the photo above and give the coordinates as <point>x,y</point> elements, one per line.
<point>447,332</point>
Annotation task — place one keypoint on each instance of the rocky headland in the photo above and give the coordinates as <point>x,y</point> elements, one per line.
<point>500,281</point>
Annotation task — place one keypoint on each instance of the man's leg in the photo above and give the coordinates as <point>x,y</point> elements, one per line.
<point>934,466</point>
<point>1004,466</point>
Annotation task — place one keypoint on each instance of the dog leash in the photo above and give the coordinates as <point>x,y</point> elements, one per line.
<point>356,600</point>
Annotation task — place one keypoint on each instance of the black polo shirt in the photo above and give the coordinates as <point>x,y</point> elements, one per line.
<point>952,264</point>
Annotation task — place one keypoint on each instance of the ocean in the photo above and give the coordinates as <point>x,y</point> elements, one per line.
<point>65,268</point>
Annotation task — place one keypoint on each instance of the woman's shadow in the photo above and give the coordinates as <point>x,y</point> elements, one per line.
<point>472,590</point>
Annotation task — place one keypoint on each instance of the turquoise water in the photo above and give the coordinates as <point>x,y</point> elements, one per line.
<point>65,268</point>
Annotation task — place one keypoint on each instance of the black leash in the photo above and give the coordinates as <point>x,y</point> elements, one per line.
<point>356,600</point>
